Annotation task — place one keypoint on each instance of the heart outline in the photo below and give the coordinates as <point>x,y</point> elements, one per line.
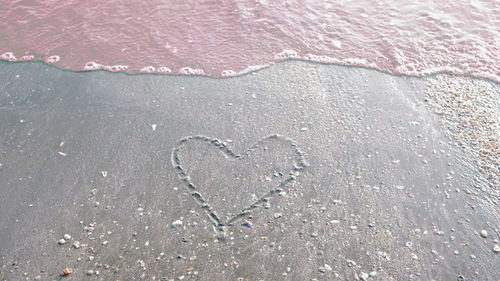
<point>219,224</point>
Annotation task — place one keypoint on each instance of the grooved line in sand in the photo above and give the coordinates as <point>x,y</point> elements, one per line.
<point>220,224</point>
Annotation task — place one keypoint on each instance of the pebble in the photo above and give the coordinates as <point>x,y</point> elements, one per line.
<point>154,127</point>
<point>67,271</point>
<point>363,276</point>
<point>76,244</point>
<point>322,269</point>
<point>328,267</point>
<point>483,233</point>
<point>350,263</point>
<point>396,161</point>
<point>247,224</point>
<point>67,236</point>
<point>90,272</point>
<point>61,241</point>
<point>496,248</point>
<point>177,223</point>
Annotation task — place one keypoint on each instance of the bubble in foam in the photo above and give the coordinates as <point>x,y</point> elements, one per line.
<point>148,69</point>
<point>321,58</point>
<point>164,69</point>
<point>191,71</point>
<point>116,68</point>
<point>52,59</point>
<point>228,73</point>
<point>27,57</point>
<point>286,54</point>
<point>408,69</point>
<point>8,57</point>
<point>92,66</point>
<point>355,61</point>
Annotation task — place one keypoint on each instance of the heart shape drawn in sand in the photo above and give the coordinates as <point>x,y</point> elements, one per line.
<point>236,183</point>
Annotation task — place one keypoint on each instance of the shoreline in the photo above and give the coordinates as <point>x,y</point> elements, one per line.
<point>292,60</point>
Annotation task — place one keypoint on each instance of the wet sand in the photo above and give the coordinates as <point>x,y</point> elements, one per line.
<point>297,172</point>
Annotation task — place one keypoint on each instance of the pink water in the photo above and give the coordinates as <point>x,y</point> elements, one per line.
<point>225,38</point>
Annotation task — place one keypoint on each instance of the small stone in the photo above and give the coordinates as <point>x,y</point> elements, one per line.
<point>350,263</point>
<point>67,271</point>
<point>104,174</point>
<point>177,223</point>
<point>104,243</point>
<point>396,161</point>
<point>67,236</point>
<point>247,224</point>
<point>61,241</point>
<point>328,267</point>
<point>483,233</point>
<point>91,258</point>
<point>363,276</point>
<point>62,153</point>
<point>322,269</point>
<point>76,244</point>
<point>88,228</point>
<point>90,272</point>
<point>154,127</point>
<point>496,248</point>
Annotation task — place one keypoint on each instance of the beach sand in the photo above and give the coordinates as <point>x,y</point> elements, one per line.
<point>345,174</point>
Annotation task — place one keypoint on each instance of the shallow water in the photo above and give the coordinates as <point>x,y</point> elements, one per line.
<point>227,38</point>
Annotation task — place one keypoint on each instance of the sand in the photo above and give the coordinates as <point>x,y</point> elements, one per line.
<point>314,172</point>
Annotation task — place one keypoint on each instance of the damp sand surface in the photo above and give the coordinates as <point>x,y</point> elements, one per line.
<point>314,172</point>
